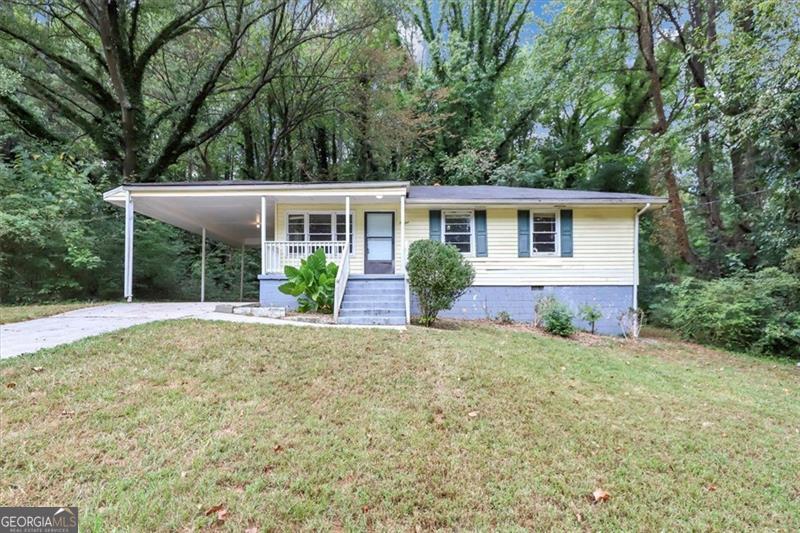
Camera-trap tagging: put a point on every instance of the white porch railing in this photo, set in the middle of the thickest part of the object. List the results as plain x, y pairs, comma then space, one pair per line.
278, 254
341, 281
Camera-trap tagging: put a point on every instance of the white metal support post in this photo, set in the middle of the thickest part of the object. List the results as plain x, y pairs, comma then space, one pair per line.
203, 268
127, 289
347, 221
636, 263
263, 222
403, 233
406, 291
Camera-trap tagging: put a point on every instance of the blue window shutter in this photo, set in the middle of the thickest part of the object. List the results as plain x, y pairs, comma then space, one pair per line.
435, 218
566, 233
481, 244
524, 232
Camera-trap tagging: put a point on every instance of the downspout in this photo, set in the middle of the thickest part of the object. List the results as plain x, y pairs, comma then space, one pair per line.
636, 259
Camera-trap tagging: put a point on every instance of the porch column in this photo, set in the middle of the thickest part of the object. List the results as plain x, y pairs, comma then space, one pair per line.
403, 233
127, 289
203, 268
347, 221
241, 274
263, 222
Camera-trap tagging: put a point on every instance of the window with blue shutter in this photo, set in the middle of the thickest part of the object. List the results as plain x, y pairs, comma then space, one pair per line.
566, 233
435, 225
524, 233
481, 239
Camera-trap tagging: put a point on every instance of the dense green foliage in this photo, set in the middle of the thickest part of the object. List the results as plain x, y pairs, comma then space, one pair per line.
313, 283
60, 241
438, 274
695, 100
751, 311
554, 317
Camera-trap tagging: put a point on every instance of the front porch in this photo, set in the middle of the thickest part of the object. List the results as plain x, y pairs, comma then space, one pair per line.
360, 227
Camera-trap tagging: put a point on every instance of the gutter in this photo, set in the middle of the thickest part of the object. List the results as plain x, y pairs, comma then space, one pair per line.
543, 201
636, 257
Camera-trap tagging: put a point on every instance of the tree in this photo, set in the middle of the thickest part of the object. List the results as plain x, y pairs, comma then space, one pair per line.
108, 69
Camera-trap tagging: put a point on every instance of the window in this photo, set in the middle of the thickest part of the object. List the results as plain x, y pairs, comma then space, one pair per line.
318, 227
296, 228
457, 230
544, 234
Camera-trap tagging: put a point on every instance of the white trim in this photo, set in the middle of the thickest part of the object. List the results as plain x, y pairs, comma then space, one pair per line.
129, 232
557, 214
585, 202
471, 213
333, 225
263, 222
636, 255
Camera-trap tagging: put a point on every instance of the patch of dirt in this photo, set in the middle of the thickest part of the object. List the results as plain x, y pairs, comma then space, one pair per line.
316, 318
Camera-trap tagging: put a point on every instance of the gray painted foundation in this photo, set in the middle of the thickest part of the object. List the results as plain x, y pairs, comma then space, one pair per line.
486, 302
270, 296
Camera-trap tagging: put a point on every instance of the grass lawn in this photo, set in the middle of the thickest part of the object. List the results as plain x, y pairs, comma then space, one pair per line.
18, 313
479, 427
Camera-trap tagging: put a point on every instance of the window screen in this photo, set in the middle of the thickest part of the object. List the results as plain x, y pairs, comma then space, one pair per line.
458, 230
544, 233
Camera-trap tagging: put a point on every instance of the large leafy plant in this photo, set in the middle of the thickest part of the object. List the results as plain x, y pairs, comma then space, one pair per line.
313, 283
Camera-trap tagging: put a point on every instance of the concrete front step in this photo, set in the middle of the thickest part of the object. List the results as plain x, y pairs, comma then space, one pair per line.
373, 320
368, 288
361, 311
374, 300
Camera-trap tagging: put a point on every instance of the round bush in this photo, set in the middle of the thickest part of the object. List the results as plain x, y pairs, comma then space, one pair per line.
555, 317
438, 274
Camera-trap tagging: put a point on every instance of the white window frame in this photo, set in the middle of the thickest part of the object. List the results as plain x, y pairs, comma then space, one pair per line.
557, 214
306, 225
471, 214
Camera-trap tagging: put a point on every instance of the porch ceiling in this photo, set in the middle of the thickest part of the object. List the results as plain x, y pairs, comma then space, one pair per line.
230, 219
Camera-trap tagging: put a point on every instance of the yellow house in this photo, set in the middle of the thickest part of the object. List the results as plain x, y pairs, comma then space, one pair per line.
524, 243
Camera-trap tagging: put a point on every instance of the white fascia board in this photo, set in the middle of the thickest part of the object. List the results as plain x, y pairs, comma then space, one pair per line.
655, 202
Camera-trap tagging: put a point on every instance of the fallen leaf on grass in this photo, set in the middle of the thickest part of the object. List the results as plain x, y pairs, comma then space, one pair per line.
472, 414
215, 509
277, 448
711, 487
599, 495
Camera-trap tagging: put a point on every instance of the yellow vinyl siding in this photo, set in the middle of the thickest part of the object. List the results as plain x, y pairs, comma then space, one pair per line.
602, 244
357, 212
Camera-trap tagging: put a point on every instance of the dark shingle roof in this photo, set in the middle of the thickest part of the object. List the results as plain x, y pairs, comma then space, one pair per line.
478, 193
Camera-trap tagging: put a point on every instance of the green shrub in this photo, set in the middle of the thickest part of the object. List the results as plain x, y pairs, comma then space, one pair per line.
591, 314
503, 317
313, 284
554, 317
750, 311
438, 274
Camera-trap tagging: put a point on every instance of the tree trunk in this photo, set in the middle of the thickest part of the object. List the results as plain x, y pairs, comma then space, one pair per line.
249, 169
644, 33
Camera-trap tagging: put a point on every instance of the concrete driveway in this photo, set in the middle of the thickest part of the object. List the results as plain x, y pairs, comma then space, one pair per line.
33, 335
